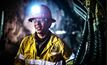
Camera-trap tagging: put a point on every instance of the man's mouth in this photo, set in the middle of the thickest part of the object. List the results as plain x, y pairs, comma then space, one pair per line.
38, 28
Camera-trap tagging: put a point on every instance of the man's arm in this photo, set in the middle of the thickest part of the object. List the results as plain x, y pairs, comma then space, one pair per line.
19, 59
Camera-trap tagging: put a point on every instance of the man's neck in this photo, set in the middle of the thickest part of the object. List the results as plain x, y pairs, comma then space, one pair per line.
42, 35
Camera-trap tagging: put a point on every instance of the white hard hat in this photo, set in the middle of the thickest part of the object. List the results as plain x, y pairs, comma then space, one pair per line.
44, 13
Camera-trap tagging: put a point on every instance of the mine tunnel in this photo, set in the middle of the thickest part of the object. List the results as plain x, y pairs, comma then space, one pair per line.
80, 23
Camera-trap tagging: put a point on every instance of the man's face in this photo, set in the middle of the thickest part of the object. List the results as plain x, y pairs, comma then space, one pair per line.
41, 24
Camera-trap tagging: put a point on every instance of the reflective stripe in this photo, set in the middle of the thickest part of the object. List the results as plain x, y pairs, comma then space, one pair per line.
21, 56
42, 62
39, 62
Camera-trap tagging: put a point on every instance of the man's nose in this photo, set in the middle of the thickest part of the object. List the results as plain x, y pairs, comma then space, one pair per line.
37, 23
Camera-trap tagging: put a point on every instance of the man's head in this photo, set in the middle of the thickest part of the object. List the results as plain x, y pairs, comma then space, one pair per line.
42, 19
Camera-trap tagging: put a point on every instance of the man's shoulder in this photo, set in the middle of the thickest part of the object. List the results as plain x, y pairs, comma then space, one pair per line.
29, 36
55, 38
27, 39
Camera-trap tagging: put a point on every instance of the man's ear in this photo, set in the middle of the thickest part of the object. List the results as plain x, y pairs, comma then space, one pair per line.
50, 23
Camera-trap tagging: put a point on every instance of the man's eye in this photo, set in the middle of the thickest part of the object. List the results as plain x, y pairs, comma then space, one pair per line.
34, 20
45, 19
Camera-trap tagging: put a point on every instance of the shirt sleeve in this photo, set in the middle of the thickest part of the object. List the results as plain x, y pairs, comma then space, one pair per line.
66, 51
19, 59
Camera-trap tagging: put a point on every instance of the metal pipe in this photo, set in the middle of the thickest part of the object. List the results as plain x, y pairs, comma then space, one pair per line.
2, 21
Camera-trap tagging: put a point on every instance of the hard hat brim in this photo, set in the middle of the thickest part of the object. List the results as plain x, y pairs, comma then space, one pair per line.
53, 20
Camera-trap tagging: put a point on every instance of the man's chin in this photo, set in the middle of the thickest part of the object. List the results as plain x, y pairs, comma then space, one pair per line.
39, 32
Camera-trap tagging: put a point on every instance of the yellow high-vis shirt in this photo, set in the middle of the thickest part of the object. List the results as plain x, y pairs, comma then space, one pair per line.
54, 53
